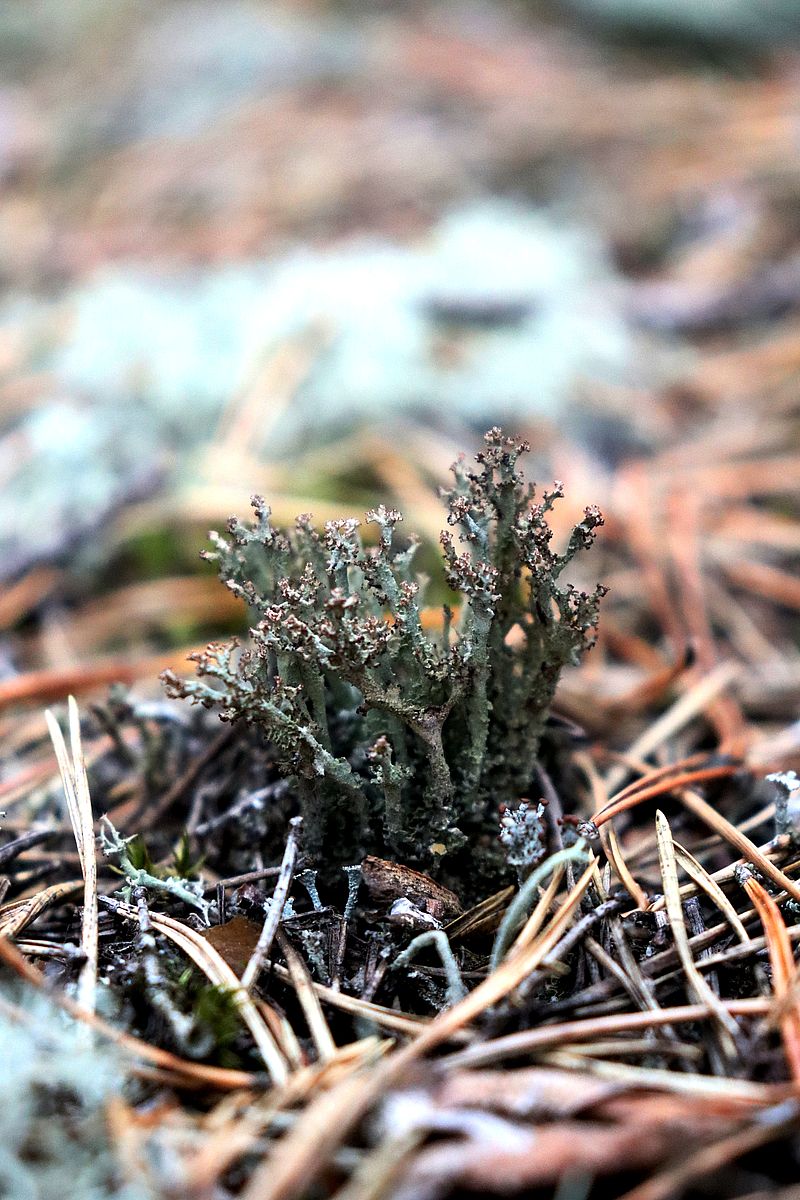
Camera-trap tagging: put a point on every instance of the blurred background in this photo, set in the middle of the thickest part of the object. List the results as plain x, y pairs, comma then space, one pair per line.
313, 250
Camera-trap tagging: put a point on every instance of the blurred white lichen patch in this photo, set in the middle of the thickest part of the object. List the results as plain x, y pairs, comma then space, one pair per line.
499, 313
54, 1087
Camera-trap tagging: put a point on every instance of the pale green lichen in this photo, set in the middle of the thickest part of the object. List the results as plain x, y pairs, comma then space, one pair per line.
400, 738
54, 1088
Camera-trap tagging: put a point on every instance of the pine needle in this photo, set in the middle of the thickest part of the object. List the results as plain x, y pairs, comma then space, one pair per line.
748, 849
309, 1001
701, 877
783, 970
79, 804
726, 1026
613, 852
17, 914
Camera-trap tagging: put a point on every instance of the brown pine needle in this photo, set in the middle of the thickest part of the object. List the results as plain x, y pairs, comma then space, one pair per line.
783, 969
613, 852
679, 1083
17, 914
748, 850
710, 1159
532, 1041
630, 798
537, 918
694, 701
309, 1001
307, 1148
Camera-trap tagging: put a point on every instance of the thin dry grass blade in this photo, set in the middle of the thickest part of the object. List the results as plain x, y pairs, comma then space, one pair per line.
729, 873
309, 1001
610, 965
727, 1028
508, 975
79, 804
640, 989
19, 913
701, 877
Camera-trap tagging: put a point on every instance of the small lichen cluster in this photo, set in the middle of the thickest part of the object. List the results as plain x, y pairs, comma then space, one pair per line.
522, 835
404, 729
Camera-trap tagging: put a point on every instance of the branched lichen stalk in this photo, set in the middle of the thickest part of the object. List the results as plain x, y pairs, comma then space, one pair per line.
402, 737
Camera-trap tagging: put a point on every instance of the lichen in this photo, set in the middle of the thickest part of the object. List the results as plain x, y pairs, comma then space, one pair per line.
403, 734
54, 1089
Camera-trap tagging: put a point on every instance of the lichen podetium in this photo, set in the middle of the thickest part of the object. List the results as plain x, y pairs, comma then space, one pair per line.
399, 739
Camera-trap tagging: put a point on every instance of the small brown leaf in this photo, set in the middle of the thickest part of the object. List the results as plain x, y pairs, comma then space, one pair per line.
234, 941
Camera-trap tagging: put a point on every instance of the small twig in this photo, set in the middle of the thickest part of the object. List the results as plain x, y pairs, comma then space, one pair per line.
247, 877
12, 849
275, 908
